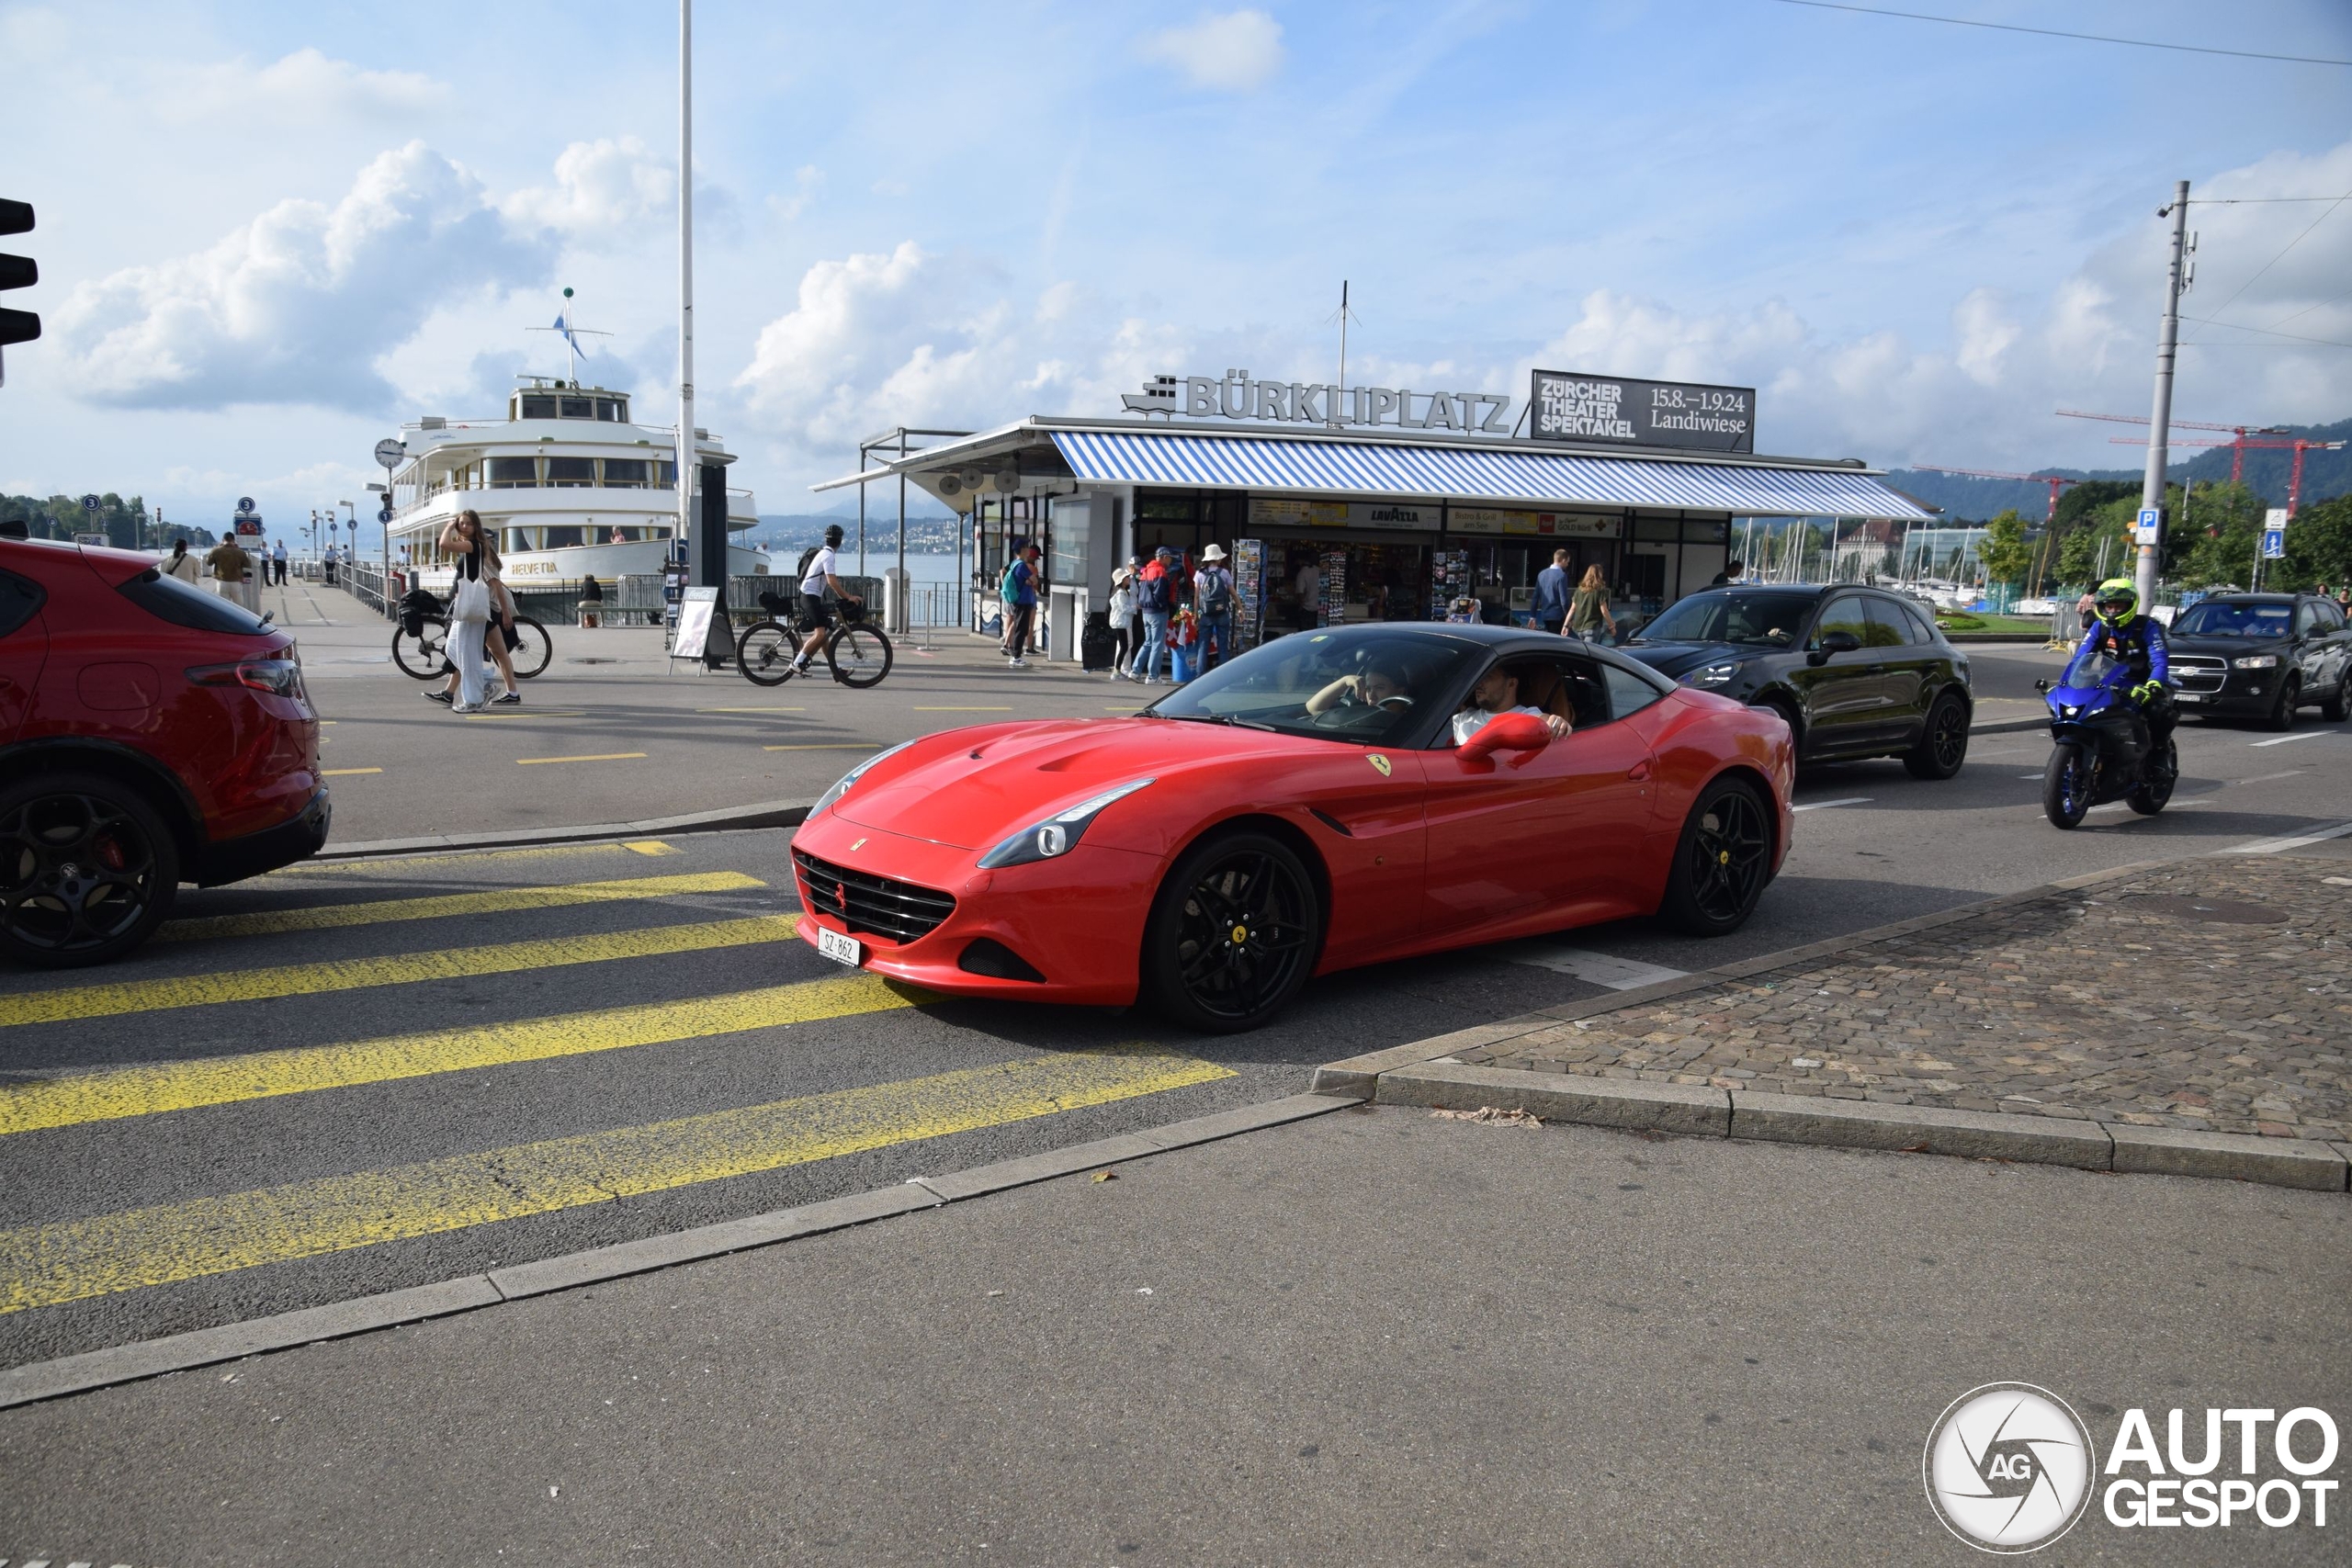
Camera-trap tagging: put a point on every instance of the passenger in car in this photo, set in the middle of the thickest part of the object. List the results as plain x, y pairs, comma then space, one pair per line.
1376, 686
1497, 694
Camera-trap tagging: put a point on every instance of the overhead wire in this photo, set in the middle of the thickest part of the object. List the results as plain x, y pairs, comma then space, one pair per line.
2053, 32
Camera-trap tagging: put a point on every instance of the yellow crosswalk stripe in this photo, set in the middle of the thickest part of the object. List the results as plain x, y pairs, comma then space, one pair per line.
404, 863
650, 847
67, 1004
593, 756
111, 1094
325, 916
74, 1259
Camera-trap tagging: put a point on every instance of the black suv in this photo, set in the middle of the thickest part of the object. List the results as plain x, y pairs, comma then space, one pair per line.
2261, 656
1856, 671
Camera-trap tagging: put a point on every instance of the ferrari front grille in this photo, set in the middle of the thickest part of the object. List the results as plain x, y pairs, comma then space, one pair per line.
880, 906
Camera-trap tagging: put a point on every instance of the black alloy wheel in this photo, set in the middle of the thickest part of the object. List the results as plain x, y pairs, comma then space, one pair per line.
1233, 933
87, 870
2282, 713
1721, 863
2158, 774
2067, 784
420, 655
1943, 744
764, 654
860, 656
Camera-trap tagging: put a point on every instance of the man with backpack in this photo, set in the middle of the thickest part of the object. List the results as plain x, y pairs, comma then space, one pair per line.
1213, 599
1156, 599
1018, 593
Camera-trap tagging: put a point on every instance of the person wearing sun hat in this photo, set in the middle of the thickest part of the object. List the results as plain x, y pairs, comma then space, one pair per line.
1123, 621
1213, 598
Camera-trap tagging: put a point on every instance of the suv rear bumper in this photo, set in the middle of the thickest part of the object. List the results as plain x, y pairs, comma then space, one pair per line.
233, 860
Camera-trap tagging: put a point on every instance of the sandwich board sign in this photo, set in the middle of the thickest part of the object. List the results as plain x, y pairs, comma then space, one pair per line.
694, 612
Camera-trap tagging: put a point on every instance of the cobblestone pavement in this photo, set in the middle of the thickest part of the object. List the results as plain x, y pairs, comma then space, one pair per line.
2209, 994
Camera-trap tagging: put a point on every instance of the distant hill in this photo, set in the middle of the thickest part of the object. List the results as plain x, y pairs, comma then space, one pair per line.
789, 533
2325, 474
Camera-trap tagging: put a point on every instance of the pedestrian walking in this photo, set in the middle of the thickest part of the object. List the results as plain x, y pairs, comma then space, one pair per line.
591, 602
1123, 621
469, 609
2085, 610
1155, 599
277, 561
228, 566
1589, 615
181, 564
1551, 593
1212, 601
1019, 594
500, 641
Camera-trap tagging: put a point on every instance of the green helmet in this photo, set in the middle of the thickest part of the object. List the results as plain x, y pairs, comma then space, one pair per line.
2115, 600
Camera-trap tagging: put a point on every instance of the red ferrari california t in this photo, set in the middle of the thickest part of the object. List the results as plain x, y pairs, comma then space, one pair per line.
1330, 799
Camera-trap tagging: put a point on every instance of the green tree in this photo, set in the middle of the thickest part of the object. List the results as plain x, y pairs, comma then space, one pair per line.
2004, 552
2078, 557
2318, 547
2215, 530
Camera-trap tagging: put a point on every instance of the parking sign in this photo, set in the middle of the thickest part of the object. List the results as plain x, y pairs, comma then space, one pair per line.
2146, 532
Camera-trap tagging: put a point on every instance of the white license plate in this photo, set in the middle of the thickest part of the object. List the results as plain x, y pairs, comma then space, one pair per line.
841, 949
2186, 697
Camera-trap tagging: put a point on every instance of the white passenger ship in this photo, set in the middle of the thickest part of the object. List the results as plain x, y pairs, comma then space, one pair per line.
567, 484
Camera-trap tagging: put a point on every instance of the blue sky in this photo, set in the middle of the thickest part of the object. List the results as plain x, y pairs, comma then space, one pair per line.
269, 233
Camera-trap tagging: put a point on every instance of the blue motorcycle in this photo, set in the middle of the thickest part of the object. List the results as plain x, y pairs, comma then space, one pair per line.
2101, 748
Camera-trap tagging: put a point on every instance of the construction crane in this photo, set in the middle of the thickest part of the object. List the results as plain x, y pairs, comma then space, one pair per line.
2055, 481
2299, 445
2239, 432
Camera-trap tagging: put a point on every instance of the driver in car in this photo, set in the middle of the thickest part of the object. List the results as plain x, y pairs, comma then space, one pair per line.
1497, 694
1375, 686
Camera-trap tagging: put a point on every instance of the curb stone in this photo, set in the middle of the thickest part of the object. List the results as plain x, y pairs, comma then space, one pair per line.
1424, 1073
91, 1370
767, 814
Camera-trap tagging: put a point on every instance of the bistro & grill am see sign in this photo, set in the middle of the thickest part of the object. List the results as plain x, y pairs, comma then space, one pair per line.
1563, 406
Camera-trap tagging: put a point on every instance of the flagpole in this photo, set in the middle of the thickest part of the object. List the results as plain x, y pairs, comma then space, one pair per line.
686, 274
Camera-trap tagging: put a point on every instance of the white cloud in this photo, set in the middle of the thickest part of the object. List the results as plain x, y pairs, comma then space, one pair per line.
602, 187
807, 182
1237, 52
914, 338
305, 85
297, 305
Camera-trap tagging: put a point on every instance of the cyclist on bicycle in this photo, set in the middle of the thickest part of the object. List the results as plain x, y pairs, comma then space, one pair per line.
815, 616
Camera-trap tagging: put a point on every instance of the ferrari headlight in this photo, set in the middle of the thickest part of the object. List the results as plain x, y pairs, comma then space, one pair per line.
2255, 661
1058, 834
1712, 675
840, 787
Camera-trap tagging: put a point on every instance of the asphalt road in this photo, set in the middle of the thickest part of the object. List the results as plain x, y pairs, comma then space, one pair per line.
1373, 1337
613, 732
546, 1046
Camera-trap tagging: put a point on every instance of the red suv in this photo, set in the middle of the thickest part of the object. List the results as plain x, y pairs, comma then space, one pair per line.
151, 733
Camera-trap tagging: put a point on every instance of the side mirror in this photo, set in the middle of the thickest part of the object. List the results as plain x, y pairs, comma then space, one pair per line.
2042, 685
1507, 732
1835, 642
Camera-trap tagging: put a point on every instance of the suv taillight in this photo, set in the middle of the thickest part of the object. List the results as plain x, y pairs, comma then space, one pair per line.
280, 677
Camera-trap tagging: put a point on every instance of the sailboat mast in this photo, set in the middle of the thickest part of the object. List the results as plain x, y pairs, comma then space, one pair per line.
685, 272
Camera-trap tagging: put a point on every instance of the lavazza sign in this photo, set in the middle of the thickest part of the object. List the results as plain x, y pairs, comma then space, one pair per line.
1562, 406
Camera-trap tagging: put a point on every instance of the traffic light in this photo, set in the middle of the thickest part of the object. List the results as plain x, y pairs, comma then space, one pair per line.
17, 272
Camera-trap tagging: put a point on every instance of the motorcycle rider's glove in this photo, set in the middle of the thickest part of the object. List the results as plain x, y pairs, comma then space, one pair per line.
2147, 691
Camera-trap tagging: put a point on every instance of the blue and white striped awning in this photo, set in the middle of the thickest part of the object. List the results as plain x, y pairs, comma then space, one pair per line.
1499, 476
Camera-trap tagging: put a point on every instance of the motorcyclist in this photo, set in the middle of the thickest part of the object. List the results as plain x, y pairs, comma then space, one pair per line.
2119, 632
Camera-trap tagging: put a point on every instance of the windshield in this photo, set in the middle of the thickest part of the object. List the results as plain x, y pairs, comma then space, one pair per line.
1348, 685
1756, 619
2091, 668
2211, 619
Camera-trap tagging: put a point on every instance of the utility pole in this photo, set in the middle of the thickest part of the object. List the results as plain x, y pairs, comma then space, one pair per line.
687, 455
2152, 486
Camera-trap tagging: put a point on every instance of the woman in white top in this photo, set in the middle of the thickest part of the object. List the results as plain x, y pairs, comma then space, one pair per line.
182, 565
1123, 621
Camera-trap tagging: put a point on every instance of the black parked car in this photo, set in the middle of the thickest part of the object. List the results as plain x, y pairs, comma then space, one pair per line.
1855, 671
2261, 656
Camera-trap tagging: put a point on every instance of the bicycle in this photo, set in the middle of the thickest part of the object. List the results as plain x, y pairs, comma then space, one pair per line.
859, 654
421, 641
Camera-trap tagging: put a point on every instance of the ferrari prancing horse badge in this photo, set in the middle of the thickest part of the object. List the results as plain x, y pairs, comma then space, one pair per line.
1377, 760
